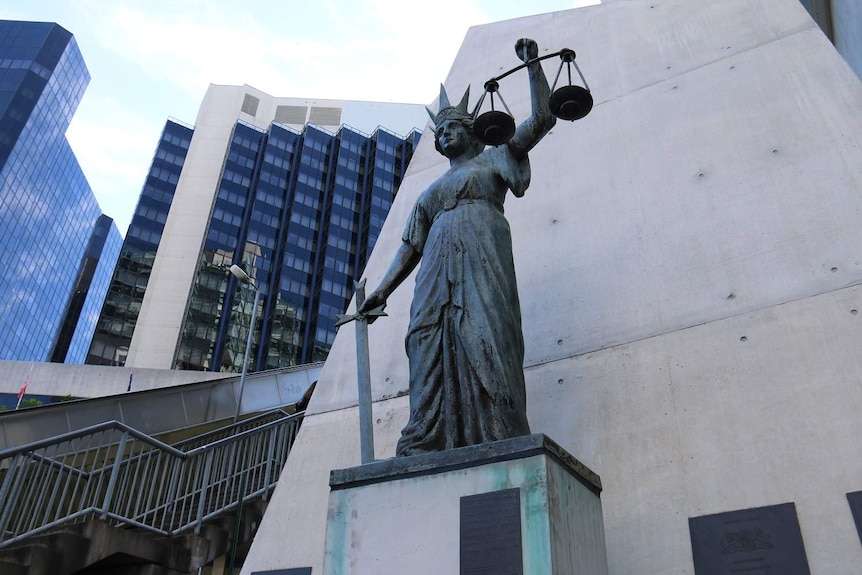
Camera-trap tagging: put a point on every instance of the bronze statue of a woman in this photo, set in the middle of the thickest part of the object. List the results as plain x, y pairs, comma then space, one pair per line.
464, 342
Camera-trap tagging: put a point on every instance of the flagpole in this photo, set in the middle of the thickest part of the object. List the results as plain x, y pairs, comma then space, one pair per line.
23, 389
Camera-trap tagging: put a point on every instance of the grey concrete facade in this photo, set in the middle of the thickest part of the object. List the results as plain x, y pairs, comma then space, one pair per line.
841, 21
690, 279
847, 28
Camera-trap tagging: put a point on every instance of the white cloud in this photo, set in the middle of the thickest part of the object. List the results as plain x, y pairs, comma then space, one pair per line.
378, 49
151, 59
114, 146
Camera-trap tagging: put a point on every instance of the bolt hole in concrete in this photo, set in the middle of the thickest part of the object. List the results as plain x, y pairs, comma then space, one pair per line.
833, 270
559, 342
743, 338
853, 312
731, 296
559, 382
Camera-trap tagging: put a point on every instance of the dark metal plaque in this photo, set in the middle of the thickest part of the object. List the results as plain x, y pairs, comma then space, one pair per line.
855, 500
760, 541
296, 571
491, 533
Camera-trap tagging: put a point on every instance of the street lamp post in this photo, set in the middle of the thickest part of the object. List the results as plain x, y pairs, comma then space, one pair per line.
246, 279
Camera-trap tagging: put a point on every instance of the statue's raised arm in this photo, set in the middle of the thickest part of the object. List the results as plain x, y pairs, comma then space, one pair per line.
540, 122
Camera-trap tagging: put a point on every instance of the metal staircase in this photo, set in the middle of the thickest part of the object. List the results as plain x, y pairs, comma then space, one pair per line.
110, 497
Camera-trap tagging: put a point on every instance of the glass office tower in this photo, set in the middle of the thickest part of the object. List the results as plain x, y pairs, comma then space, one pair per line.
294, 191
116, 323
57, 248
299, 211
297, 205
82, 311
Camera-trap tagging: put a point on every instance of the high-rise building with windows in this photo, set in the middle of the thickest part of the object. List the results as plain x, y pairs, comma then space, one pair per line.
294, 191
116, 323
58, 249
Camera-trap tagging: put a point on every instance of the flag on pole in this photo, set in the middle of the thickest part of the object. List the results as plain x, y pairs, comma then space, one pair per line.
23, 389
129, 388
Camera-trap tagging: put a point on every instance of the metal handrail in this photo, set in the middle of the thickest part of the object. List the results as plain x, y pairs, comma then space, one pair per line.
78, 433
227, 431
120, 475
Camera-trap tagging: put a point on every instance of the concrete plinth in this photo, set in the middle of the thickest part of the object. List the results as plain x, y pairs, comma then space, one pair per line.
422, 514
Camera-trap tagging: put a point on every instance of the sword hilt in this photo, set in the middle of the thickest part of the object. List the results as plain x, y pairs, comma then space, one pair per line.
342, 318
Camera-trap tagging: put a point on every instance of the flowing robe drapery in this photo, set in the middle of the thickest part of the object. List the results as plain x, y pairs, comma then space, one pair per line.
464, 342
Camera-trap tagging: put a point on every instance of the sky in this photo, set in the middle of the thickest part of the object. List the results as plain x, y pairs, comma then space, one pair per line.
150, 60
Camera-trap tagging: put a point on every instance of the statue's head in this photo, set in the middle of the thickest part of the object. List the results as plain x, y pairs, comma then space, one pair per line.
450, 114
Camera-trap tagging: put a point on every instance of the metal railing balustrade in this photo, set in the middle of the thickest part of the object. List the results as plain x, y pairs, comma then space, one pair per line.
115, 473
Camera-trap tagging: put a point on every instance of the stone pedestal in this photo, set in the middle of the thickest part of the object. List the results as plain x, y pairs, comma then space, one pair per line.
521, 506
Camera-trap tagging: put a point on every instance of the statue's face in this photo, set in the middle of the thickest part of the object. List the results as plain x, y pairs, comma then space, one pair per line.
453, 138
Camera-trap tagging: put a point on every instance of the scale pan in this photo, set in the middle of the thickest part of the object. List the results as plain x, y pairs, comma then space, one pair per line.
571, 103
494, 128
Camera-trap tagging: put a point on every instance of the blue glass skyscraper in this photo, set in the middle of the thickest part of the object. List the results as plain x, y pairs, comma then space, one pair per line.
57, 248
284, 187
118, 317
300, 211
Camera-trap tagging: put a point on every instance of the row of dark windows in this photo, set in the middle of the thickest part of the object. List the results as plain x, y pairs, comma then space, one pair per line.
284, 216
119, 314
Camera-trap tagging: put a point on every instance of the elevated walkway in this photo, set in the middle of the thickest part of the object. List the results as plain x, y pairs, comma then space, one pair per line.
170, 413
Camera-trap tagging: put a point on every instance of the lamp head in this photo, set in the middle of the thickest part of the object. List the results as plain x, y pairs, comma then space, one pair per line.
240, 274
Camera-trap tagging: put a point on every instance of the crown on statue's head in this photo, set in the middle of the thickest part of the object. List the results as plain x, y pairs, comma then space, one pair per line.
447, 111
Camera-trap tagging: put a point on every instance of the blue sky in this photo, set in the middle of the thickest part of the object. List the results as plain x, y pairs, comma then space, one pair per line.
153, 59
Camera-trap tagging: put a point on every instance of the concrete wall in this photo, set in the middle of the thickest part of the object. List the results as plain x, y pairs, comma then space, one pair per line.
689, 268
847, 26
